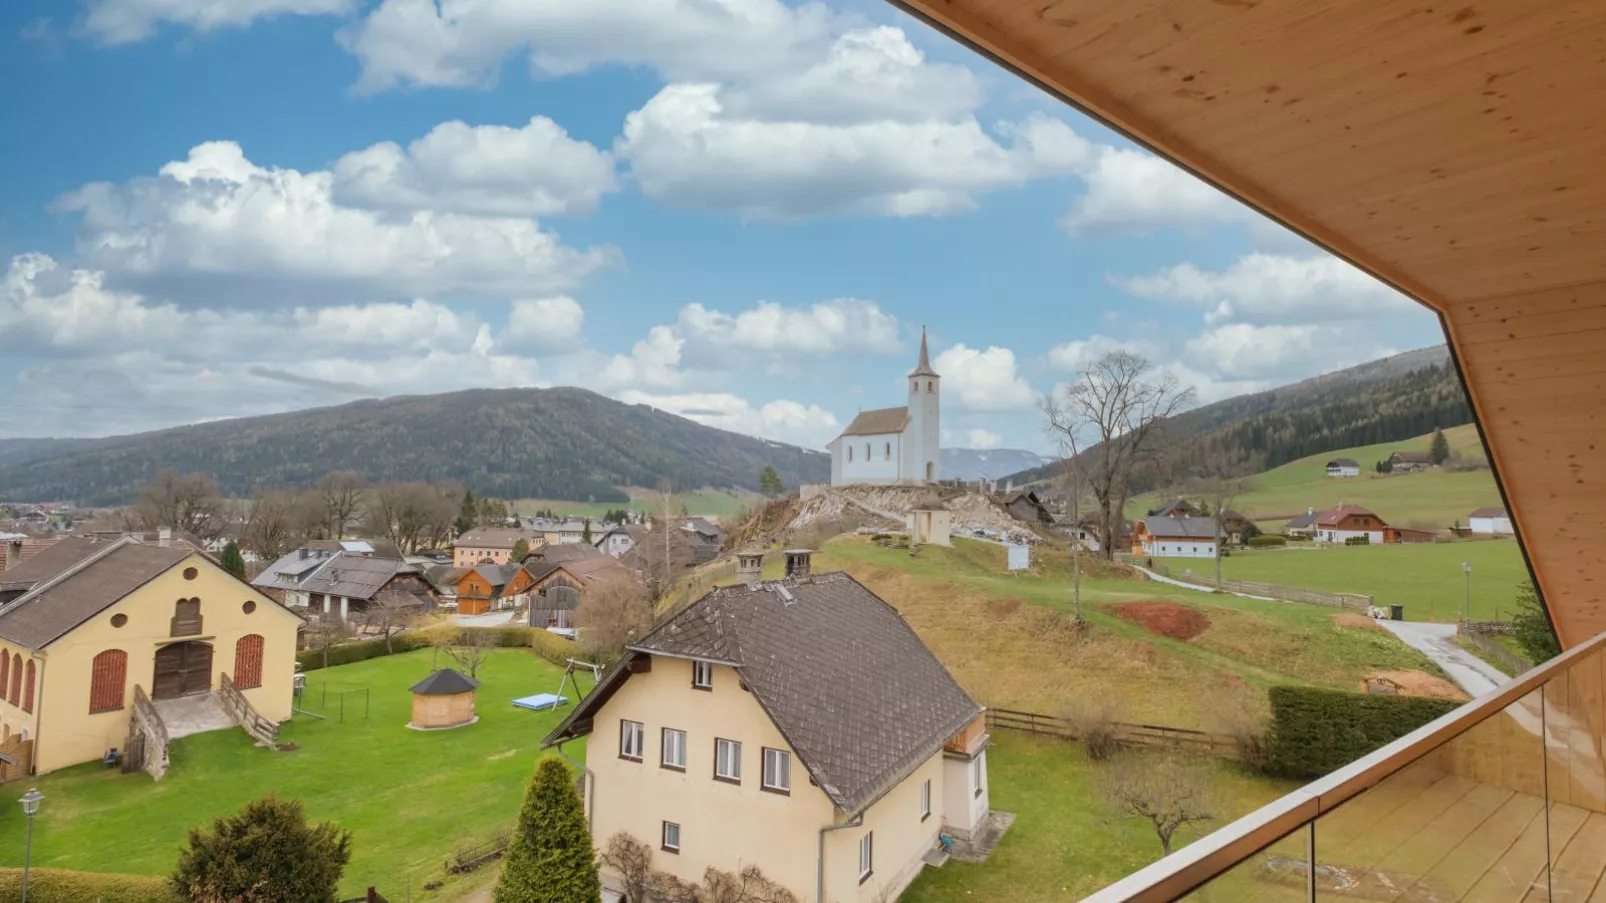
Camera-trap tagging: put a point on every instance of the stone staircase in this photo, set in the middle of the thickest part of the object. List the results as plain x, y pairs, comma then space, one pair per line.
193, 715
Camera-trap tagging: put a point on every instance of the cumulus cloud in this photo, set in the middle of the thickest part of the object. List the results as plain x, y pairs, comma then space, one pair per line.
543, 324
126, 21
1272, 288
1133, 192
1075, 355
462, 43
216, 214
490, 170
782, 421
983, 380
829, 327
980, 438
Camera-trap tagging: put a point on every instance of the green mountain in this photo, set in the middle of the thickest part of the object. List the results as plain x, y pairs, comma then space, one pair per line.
560, 443
1388, 400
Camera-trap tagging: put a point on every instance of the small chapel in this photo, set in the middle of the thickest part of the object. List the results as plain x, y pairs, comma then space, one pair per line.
894, 446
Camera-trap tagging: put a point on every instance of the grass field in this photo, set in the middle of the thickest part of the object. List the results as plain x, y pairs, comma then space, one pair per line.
1435, 498
1007, 637
1066, 842
408, 797
1424, 577
702, 503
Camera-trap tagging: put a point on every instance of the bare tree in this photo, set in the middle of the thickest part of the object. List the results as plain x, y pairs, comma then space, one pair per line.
339, 499
1116, 411
410, 514
1073, 483
612, 614
270, 528
390, 612
1219, 493
1169, 793
324, 632
631, 860
747, 886
466, 648
189, 502
665, 551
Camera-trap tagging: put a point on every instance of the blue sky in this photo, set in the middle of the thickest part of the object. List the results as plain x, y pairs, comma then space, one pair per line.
739, 210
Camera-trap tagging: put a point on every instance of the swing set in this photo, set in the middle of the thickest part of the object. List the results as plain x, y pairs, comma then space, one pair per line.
541, 702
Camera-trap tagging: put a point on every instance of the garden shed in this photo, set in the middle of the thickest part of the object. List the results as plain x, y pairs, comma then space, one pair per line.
445, 699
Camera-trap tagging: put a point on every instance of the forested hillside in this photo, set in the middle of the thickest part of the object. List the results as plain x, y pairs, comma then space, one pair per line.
1388, 400
560, 443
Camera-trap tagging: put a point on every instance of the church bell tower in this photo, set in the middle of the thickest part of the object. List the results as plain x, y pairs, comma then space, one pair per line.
922, 444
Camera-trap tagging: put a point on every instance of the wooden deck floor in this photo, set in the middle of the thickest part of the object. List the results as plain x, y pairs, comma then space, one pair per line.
1424, 836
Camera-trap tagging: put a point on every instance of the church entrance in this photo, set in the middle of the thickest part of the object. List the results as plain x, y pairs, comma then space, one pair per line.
182, 669
931, 471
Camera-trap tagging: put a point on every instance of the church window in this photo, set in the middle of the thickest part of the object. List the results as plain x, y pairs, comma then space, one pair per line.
889, 451
931, 386
866, 451
850, 453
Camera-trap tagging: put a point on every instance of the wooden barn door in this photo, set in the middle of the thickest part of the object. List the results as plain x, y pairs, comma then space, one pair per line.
182, 669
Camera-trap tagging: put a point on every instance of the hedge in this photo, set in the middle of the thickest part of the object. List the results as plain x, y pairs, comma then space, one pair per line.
63, 886
554, 649
1267, 539
1314, 732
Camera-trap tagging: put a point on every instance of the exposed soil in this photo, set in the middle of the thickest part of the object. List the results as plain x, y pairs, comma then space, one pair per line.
1167, 619
1418, 683
1359, 622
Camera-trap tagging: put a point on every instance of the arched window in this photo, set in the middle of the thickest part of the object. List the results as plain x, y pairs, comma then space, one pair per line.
248, 662
5, 671
889, 451
866, 451
850, 453
107, 676
16, 679
27, 692
931, 385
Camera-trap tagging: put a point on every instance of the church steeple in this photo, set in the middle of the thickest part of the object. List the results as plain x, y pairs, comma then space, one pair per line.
924, 368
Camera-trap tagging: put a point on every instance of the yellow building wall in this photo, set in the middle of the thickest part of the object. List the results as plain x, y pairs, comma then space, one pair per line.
71, 735
13, 720
728, 826
468, 556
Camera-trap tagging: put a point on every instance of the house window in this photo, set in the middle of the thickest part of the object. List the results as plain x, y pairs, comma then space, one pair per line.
674, 749
107, 674
630, 740
702, 676
248, 662
727, 761
925, 800
978, 771
777, 777
866, 856
671, 837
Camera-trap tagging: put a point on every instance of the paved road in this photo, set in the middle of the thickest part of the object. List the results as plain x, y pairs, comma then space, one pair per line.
1437, 641
494, 619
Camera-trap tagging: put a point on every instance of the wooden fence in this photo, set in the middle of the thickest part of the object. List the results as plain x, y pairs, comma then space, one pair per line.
1505, 659
1350, 601
245, 715
146, 746
16, 758
1149, 736
467, 859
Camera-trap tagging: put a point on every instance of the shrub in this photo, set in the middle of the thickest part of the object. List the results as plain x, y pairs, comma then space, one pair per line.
63, 886
1093, 720
549, 858
265, 854
1531, 627
1236, 717
552, 648
1316, 731
1267, 540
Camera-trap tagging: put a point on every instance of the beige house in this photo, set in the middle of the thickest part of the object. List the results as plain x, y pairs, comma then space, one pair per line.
96, 620
798, 725
493, 544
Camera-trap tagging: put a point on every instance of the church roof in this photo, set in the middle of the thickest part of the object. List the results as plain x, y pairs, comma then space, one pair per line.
924, 368
878, 422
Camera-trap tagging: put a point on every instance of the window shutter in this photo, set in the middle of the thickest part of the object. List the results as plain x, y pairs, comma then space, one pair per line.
186, 617
108, 673
248, 662
27, 693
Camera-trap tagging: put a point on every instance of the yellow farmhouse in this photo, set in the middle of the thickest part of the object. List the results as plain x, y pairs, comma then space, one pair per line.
84, 623
797, 725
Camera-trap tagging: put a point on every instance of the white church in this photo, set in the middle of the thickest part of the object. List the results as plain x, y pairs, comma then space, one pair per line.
893, 445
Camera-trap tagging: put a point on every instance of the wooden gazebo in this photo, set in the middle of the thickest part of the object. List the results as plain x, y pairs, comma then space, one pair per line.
445, 699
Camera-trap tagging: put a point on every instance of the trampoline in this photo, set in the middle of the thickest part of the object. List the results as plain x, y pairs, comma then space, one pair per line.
540, 702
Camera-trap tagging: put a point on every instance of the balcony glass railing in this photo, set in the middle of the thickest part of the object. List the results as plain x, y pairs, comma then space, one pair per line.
1500, 801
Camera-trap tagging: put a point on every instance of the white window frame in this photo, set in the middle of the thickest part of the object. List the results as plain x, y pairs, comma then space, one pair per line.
632, 737
866, 856
663, 838
783, 770
664, 749
721, 745
702, 675
925, 800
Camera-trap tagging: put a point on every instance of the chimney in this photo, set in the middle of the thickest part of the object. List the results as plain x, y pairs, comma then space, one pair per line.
797, 562
13, 554
301, 554
750, 566
1310, 510
164, 536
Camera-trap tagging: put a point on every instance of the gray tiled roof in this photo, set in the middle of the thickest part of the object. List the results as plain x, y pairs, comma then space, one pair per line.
354, 576
858, 696
445, 682
1187, 527
878, 422
66, 600
48, 563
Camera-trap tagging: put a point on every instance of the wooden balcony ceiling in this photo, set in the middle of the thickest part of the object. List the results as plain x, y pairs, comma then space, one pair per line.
1455, 149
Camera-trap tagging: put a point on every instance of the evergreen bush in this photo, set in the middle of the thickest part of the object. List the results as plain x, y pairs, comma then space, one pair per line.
267, 853
1267, 540
1315, 731
549, 857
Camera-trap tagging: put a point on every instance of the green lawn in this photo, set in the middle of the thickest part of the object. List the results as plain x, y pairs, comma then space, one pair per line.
1435, 498
1424, 577
1066, 842
702, 503
408, 797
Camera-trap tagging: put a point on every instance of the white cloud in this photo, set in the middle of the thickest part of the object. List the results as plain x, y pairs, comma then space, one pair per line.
983, 380
1133, 192
783, 421
1074, 356
126, 21
684, 148
829, 327
653, 362
492, 170
461, 43
980, 438
217, 214
1271, 288
543, 324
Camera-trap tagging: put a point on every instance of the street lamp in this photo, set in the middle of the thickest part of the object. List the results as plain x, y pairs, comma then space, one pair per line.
30, 807
1466, 609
